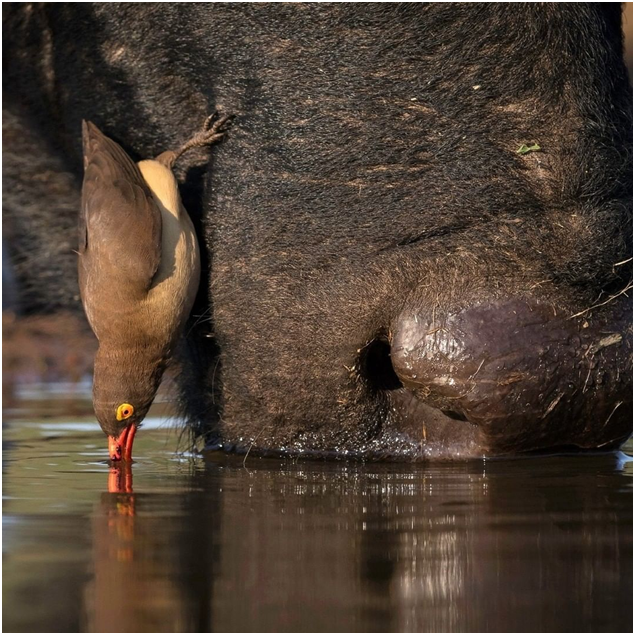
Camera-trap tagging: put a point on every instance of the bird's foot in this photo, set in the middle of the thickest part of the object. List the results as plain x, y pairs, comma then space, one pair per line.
214, 129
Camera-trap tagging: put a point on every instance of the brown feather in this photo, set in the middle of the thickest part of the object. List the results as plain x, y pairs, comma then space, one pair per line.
120, 224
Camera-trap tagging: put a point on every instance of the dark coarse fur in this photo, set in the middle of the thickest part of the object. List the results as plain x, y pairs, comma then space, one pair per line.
372, 169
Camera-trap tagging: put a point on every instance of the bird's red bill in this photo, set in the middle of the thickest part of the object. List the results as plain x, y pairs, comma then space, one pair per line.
121, 448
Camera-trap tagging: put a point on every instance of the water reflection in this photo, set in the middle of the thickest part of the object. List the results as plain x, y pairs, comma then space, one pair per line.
150, 566
120, 479
540, 544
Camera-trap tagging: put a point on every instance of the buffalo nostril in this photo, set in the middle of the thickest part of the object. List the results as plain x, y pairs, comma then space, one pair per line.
376, 366
453, 414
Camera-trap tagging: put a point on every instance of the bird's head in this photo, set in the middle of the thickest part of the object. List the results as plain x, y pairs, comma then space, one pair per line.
124, 386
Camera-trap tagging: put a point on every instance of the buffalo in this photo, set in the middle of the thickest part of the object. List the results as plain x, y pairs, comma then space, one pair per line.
416, 238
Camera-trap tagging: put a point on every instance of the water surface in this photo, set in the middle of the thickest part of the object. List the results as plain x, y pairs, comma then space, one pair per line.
193, 543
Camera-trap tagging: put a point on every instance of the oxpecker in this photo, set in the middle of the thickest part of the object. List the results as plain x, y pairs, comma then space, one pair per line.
139, 270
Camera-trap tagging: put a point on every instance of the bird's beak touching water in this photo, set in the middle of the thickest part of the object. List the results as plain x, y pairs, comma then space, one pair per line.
121, 447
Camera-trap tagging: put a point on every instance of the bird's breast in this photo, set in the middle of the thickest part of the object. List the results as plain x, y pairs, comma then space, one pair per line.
175, 284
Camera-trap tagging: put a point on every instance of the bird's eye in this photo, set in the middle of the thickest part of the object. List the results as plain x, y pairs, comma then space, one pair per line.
124, 411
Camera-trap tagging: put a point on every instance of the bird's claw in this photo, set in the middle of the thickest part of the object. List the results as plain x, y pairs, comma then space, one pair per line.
214, 128
216, 125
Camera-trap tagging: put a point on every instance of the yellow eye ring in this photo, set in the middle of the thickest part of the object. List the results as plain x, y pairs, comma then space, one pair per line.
124, 411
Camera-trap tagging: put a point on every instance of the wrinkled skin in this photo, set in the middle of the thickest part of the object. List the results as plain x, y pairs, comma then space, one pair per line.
385, 274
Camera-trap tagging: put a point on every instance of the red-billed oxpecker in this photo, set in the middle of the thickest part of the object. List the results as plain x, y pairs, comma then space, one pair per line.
139, 271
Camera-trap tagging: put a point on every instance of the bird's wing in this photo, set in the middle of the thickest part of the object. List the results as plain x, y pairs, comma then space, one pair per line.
120, 224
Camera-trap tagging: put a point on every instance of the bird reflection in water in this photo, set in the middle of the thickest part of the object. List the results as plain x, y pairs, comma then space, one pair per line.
121, 520
120, 480
115, 552
150, 570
